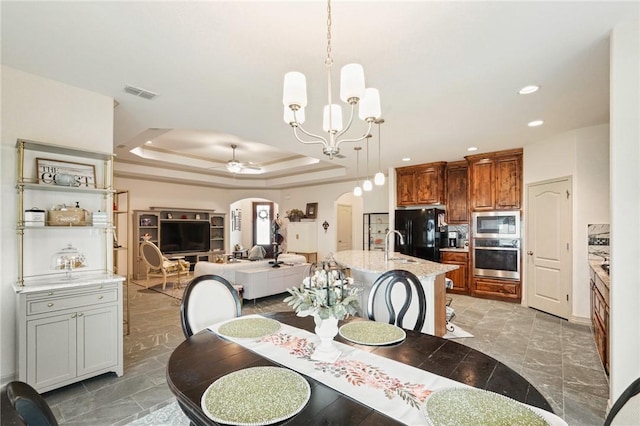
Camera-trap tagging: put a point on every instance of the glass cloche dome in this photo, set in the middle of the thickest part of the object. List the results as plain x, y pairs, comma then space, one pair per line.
68, 259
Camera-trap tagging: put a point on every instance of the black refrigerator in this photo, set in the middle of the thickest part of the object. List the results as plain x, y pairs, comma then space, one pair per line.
422, 234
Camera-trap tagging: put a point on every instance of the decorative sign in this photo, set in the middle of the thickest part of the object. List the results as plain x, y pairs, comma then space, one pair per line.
64, 173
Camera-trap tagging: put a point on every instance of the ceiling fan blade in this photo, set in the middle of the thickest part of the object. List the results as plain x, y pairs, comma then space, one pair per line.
251, 167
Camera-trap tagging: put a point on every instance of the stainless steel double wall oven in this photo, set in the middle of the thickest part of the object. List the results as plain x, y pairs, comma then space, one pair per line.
496, 244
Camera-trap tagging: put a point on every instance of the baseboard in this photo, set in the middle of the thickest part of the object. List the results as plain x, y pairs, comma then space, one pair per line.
6, 379
580, 320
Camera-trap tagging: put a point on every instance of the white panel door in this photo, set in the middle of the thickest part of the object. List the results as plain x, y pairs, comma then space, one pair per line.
344, 227
549, 251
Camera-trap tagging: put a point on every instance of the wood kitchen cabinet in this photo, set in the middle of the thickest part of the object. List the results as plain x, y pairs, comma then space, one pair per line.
496, 289
456, 198
460, 276
600, 315
405, 187
495, 180
421, 185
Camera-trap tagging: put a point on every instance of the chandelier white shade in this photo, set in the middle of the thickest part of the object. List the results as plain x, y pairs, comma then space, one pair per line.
352, 91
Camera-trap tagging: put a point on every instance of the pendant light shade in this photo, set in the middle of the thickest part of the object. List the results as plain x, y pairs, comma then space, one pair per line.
352, 82
379, 177
370, 105
332, 120
295, 89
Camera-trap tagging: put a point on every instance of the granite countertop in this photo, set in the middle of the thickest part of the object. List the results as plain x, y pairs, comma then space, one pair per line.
58, 282
373, 261
595, 266
456, 249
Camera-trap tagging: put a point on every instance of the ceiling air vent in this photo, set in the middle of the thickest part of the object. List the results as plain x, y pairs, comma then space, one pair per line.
139, 92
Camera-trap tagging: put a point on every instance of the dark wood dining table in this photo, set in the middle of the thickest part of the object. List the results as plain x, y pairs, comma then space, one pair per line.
204, 357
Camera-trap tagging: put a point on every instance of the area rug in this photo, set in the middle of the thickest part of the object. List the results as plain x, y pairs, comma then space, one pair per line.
456, 333
169, 415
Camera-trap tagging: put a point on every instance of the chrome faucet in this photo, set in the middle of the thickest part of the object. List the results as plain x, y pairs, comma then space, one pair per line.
386, 242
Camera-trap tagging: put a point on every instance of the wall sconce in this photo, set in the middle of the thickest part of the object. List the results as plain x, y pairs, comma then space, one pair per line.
325, 225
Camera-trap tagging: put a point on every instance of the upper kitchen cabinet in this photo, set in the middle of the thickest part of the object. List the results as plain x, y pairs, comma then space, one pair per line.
457, 192
405, 188
495, 180
421, 185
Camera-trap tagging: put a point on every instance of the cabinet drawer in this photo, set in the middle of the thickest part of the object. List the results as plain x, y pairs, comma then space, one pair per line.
63, 292
502, 289
452, 256
53, 304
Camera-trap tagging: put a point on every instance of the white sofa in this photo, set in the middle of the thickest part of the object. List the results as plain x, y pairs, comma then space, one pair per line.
251, 289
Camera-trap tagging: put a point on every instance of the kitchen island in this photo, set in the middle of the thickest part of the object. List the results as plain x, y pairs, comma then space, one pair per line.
366, 266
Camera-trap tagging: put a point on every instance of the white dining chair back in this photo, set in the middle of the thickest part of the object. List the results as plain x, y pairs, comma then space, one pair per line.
397, 297
208, 299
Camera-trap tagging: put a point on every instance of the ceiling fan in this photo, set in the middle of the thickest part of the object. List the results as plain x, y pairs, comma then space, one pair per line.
235, 166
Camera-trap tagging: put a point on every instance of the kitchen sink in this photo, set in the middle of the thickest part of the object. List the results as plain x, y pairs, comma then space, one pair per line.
402, 260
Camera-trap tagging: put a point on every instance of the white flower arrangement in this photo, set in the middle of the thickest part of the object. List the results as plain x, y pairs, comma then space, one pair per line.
325, 293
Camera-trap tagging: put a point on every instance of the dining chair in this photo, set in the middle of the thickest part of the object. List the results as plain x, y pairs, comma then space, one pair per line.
397, 287
208, 299
158, 265
30, 406
631, 411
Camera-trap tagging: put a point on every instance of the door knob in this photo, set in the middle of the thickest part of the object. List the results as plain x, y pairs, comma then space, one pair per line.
530, 253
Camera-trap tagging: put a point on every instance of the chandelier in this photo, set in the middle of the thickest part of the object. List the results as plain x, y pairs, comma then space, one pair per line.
352, 91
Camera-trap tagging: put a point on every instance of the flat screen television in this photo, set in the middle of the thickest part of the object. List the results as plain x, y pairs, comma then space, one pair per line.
184, 236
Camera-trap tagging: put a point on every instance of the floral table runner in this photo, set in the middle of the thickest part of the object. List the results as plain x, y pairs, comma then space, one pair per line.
390, 387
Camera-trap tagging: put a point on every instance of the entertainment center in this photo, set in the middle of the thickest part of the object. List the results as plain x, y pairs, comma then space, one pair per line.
190, 233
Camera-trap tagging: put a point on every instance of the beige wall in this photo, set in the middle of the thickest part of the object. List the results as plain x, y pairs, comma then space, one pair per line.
625, 208
43, 110
584, 155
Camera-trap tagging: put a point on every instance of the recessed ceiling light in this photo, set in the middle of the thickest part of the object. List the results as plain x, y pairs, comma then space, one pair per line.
472, 148
535, 123
526, 90
406, 159
148, 142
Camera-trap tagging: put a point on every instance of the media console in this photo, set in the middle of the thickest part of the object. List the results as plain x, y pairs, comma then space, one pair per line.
196, 234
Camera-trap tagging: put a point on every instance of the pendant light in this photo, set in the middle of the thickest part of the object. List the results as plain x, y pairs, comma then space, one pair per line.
379, 177
367, 185
357, 191
352, 91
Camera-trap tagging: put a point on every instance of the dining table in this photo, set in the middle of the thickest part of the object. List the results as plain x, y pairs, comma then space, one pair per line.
206, 357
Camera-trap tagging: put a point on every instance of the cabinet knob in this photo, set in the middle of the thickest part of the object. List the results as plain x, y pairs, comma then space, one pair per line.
100, 297
74, 315
49, 304
50, 293
530, 253
80, 314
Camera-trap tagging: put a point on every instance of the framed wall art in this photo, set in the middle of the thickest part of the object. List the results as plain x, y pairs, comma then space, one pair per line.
312, 210
65, 173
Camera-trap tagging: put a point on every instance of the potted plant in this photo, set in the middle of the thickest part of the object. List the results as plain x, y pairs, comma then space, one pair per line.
329, 296
294, 215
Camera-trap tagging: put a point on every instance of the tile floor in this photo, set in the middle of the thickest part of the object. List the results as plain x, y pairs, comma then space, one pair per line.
559, 358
